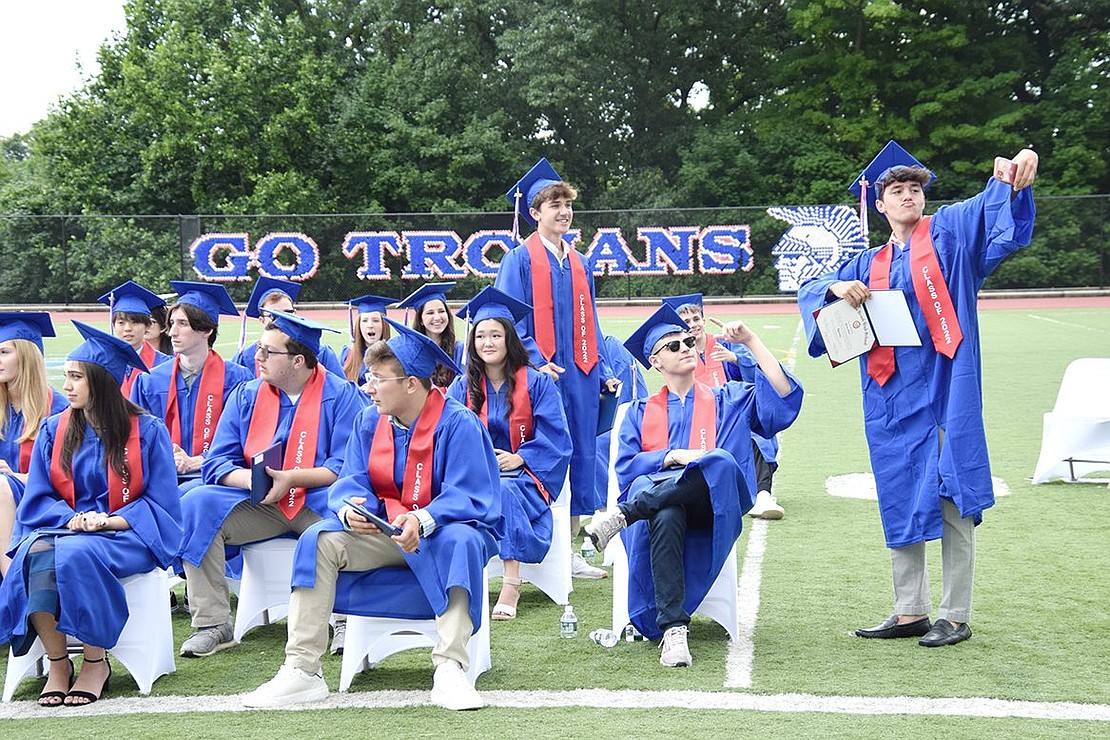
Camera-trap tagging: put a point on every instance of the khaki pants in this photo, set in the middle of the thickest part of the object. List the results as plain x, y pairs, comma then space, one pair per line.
207, 587
911, 577
309, 607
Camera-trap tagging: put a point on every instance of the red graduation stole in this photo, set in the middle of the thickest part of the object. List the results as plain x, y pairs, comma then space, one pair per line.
932, 293
300, 448
710, 371
703, 431
147, 355
585, 332
211, 396
520, 421
418, 466
120, 490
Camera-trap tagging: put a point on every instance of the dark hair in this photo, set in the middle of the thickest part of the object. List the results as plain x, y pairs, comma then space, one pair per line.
553, 191
296, 348
380, 352
160, 315
134, 318
352, 366
198, 320
112, 414
442, 376
913, 173
515, 358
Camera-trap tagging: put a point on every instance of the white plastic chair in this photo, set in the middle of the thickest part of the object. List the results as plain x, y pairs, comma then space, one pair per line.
720, 603
1076, 437
370, 640
145, 647
265, 587
552, 574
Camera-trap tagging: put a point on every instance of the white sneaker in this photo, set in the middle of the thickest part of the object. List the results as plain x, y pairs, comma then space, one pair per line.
766, 507
675, 648
290, 686
451, 689
579, 568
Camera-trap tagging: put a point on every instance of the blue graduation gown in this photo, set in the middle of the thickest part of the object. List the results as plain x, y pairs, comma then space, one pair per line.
326, 357
159, 359
929, 392
626, 369
465, 505
744, 369
580, 391
89, 566
728, 470
527, 515
9, 443
205, 507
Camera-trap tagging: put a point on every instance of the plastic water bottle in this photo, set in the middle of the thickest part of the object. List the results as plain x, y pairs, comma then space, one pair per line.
605, 638
568, 625
631, 633
588, 549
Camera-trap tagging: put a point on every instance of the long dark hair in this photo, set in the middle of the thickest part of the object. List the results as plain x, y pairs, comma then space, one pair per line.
442, 376
516, 357
112, 413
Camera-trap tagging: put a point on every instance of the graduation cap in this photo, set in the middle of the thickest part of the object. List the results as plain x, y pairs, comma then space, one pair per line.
212, 298
300, 329
372, 303
265, 287
423, 294
492, 303
111, 353
417, 354
526, 189
679, 302
892, 157
29, 325
130, 298
661, 323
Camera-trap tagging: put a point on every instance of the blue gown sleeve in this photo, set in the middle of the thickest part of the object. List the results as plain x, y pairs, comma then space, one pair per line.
989, 226
155, 516
466, 466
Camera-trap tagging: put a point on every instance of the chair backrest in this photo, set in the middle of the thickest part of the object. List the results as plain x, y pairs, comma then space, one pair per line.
1085, 389
614, 443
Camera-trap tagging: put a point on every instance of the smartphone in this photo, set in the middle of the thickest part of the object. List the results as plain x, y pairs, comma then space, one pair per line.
373, 518
1004, 170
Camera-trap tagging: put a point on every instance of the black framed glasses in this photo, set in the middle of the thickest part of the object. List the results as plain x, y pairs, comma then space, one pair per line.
676, 344
263, 353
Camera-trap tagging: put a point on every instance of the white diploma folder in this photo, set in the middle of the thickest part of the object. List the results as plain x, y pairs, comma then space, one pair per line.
882, 320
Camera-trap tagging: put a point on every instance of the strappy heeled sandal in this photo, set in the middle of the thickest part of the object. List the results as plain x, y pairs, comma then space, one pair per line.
59, 695
504, 612
87, 696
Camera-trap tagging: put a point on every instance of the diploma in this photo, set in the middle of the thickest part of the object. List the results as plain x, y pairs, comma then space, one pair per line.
261, 482
882, 320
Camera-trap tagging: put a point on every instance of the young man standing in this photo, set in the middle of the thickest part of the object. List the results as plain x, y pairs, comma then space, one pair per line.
426, 464
684, 466
562, 333
130, 305
922, 405
294, 402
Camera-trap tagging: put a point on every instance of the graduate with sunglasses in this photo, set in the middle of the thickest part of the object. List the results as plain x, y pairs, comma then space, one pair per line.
684, 466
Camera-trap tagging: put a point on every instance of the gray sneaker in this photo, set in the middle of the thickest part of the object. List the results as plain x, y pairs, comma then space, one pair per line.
603, 529
339, 636
208, 640
675, 648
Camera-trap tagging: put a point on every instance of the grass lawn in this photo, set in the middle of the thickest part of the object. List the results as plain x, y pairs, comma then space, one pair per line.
1041, 624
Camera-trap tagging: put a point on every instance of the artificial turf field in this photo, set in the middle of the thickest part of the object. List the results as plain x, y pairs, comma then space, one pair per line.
1041, 624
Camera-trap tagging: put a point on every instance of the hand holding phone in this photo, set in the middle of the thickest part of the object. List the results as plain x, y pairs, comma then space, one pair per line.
373, 518
1004, 170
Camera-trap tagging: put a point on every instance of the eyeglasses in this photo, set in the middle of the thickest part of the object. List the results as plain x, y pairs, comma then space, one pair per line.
676, 344
263, 353
377, 379
267, 316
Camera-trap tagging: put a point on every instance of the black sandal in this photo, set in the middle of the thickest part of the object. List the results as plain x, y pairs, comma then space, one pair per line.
88, 697
59, 695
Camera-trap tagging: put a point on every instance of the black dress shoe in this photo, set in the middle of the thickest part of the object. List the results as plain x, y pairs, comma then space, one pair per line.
945, 633
891, 629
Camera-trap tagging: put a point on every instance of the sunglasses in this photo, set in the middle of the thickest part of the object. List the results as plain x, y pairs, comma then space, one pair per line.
676, 344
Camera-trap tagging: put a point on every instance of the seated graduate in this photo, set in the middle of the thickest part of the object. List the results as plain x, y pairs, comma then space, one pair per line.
101, 467
268, 295
369, 328
189, 393
26, 398
433, 319
632, 386
426, 464
157, 334
295, 403
720, 361
523, 412
684, 465
130, 305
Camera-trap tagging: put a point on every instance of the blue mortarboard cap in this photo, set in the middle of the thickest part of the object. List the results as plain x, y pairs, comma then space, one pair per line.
372, 303
661, 323
305, 331
264, 287
130, 298
29, 325
212, 298
539, 177
111, 353
891, 157
417, 354
677, 302
492, 303
423, 294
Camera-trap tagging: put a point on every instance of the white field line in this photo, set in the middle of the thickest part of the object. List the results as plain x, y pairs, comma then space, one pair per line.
740, 659
1068, 323
603, 699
